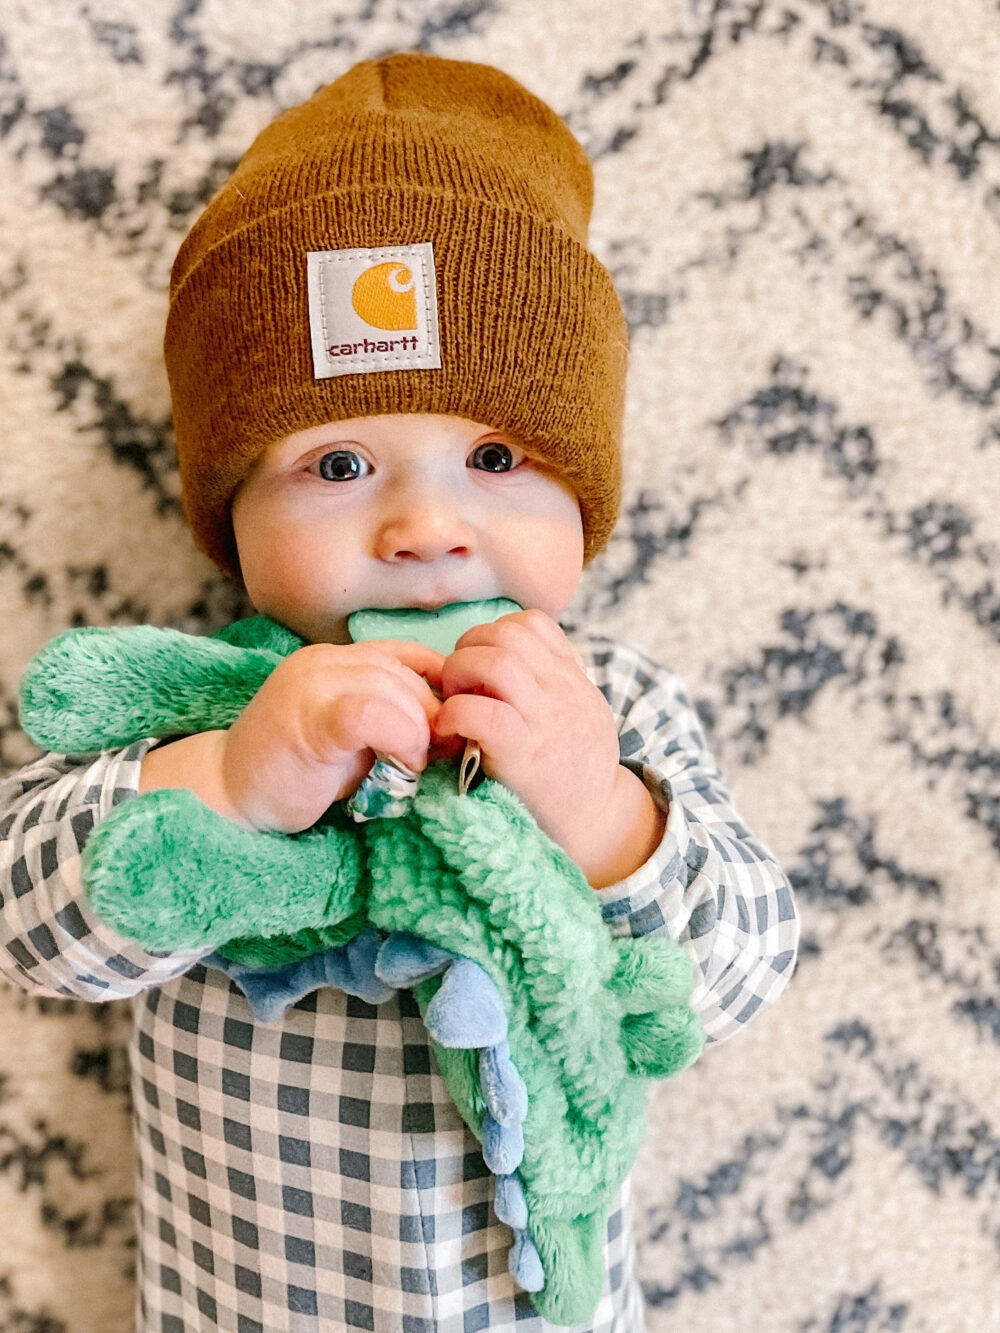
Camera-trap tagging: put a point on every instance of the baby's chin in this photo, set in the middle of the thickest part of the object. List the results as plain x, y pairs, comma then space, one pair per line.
319, 629
333, 631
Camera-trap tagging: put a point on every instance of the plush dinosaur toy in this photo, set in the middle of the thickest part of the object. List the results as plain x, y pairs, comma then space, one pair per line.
545, 1028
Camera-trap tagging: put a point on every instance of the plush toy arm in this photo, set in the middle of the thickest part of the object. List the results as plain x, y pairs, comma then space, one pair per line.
167, 871
99, 689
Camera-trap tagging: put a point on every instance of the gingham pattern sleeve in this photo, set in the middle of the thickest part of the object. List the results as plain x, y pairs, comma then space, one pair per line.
710, 884
51, 942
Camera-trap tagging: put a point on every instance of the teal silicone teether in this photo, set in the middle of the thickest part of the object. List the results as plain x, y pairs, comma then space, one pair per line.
440, 629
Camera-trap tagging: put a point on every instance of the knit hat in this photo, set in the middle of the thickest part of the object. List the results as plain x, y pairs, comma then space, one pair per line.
410, 239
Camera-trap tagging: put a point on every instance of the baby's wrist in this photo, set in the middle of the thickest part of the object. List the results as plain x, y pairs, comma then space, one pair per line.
630, 831
194, 763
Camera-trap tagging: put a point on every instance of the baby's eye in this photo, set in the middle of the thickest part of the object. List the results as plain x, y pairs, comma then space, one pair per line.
342, 465
495, 457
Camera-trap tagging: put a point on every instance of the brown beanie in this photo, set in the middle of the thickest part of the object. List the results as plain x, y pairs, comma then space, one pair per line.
411, 239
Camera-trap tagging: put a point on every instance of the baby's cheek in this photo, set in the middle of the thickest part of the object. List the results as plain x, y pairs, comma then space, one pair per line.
298, 567
554, 570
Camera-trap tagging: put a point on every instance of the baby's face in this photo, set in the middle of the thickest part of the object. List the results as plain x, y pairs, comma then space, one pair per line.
410, 509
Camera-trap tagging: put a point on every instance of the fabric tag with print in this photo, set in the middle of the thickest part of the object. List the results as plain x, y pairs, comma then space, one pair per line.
373, 309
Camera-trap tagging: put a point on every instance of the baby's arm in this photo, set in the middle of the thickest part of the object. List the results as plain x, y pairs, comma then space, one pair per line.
306, 738
711, 884
574, 739
51, 942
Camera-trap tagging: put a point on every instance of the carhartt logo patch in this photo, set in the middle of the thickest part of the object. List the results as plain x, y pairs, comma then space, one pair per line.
373, 310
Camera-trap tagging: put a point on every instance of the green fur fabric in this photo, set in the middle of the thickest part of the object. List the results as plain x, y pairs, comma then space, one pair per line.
590, 1018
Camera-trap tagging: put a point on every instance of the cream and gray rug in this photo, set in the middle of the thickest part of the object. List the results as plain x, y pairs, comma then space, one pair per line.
800, 202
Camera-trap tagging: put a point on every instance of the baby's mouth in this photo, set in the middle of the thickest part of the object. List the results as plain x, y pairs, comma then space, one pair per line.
435, 603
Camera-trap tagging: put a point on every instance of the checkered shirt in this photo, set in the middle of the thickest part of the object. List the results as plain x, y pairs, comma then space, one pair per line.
313, 1172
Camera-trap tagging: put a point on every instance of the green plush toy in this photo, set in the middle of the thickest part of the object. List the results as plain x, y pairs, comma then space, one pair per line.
545, 1028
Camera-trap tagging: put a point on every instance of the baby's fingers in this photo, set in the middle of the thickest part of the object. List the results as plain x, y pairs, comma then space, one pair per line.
360, 723
426, 662
532, 634
490, 671
501, 731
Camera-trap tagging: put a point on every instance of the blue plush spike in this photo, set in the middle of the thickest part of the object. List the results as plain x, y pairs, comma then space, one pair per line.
272, 991
503, 1146
361, 979
509, 1203
467, 1011
405, 959
525, 1264
503, 1087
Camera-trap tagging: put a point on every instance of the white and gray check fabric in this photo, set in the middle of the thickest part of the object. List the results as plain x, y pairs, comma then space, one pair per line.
314, 1172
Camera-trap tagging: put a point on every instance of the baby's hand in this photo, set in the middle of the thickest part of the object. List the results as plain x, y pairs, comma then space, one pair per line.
308, 736
518, 688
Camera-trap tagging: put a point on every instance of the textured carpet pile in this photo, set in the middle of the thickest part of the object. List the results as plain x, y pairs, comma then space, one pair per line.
800, 203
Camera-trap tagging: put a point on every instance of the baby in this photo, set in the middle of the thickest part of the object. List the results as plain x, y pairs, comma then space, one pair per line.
397, 376
417, 510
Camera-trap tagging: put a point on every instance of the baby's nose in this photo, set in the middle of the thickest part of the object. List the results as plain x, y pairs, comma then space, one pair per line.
425, 532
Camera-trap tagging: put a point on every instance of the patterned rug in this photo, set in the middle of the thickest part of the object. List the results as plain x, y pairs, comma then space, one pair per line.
800, 203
